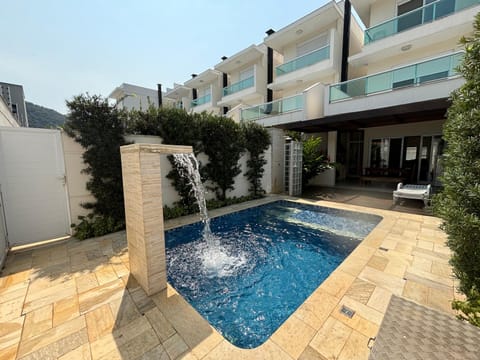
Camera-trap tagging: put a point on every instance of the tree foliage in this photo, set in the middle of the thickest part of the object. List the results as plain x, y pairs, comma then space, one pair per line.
97, 126
459, 202
257, 141
222, 140
314, 160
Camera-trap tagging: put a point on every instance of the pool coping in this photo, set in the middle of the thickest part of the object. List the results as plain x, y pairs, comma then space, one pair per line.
318, 325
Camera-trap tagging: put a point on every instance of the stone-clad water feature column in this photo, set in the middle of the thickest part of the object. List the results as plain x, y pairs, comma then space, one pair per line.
142, 189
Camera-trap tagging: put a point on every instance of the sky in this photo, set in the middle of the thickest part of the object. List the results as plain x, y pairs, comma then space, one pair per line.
58, 49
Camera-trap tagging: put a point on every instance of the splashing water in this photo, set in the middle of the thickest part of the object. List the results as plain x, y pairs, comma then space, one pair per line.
217, 260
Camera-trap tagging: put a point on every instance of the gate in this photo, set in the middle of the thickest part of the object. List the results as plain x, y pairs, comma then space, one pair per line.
32, 183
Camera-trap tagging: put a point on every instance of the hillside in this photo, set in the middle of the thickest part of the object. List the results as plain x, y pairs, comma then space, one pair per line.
42, 117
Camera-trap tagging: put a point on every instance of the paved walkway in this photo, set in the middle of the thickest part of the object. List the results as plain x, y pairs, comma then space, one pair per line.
76, 300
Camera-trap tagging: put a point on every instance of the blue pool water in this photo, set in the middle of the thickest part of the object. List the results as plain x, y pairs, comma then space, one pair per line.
266, 262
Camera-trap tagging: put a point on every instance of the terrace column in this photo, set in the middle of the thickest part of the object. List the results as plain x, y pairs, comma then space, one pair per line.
142, 189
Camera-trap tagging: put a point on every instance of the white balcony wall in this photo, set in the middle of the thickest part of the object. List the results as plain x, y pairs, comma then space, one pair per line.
381, 11
313, 101
408, 95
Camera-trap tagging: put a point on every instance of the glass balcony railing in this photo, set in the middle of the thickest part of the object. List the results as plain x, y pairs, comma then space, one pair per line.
201, 100
420, 16
277, 107
435, 69
304, 61
238, 86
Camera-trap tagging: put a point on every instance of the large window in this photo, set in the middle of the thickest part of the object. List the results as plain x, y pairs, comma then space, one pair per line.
386, 153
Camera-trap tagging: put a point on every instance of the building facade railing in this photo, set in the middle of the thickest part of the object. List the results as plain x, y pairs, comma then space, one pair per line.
439, 68
423, 15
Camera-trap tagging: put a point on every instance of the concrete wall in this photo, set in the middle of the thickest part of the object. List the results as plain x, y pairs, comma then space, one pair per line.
272, 180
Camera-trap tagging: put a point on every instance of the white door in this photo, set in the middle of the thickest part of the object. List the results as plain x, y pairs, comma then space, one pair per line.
32, 176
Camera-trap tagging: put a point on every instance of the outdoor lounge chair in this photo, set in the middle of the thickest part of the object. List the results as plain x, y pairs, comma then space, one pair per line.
418, 192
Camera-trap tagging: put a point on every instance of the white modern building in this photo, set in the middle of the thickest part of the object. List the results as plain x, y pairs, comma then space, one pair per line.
375, 86
14, 97
128, 97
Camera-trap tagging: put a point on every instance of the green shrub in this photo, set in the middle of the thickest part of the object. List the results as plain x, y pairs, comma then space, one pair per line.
458, 204
98, 127
222, 140
257, 141
314, 161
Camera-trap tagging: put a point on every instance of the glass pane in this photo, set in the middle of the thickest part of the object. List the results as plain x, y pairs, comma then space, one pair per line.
433, 69
425, 159
379, 153
379, 82
404, 76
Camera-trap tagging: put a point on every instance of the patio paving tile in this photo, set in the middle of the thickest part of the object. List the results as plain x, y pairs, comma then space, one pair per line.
99, 322
160, 324
317, 308
118, 337
10, 333
310, 354
364, 311
157, 353
360, 290
65, 309
337, 283
331, 338
38, 321
378, 262
100, 295
379, 278
80, 353
79, 301
416, 292
175, 346
379, 299
70, 332
86, 282
355, 347
293, 336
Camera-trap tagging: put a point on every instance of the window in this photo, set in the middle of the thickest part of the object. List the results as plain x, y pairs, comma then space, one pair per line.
245, 74
386, 153
312, 44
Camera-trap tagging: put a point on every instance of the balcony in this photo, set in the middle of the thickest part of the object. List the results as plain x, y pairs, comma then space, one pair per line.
239, 86
439, 68
426, 14
304, 61
273, 108
201, 100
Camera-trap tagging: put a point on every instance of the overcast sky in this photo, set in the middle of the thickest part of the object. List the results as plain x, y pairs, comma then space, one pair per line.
60, 48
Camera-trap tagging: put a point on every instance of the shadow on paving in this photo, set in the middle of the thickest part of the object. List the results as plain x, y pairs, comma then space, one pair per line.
78, 297
373, 199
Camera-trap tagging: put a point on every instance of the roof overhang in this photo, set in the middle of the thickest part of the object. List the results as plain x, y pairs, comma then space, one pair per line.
305, 26
207, 77
400, 114
178, 92
362, 7
246, 56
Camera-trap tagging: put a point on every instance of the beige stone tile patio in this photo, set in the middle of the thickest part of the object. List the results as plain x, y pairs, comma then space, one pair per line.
76, 300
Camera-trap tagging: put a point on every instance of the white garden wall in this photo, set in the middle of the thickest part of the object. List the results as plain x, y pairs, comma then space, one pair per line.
76, 181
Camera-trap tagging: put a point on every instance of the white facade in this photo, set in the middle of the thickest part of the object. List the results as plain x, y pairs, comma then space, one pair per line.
6, 117
129, 97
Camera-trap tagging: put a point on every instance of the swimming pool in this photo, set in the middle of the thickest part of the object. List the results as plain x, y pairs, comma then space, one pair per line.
266, 261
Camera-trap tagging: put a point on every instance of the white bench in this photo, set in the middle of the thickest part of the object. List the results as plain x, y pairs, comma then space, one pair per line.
417, 192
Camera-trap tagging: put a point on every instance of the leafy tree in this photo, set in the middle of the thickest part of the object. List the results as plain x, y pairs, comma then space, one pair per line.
257, 141
314, 161
459, 202
175, 127
223, 143
97, 126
